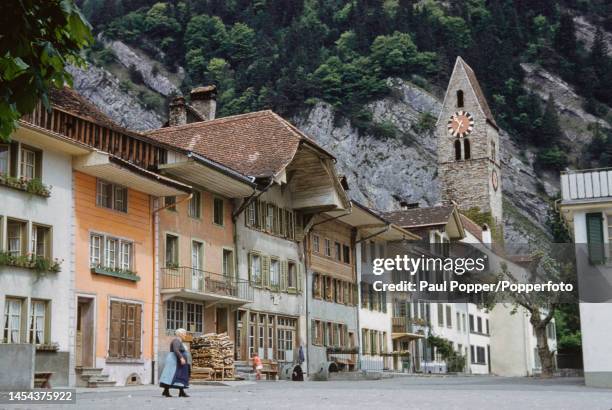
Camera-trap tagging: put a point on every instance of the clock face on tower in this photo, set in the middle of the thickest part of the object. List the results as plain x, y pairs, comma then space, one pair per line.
460, 124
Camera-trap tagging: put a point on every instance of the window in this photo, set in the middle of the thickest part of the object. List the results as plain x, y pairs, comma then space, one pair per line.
449, 317
463, 320
41, 241
218, 204
4, 159
472, 354
471, 323
440, 314
111, 196
346, 254
197, 255
228, 262
291, 275
194, 208
480, 355
493, 153
172, 260
252, 214
28, 164
126, 255
38, 321
459, 99
274, 273
487, 325
15, 233
194, 317
458, 320
316, 285
315, 331
174, 315
286, 328
95, 249
327, 244
270, 210
12, 321
290, 224
170, 203
457, 150
125, 330
466, 149
111, 246
255, 269
338, 251
479, 324
315, 243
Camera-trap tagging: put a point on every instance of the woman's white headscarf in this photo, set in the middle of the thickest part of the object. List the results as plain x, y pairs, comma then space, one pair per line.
180, 331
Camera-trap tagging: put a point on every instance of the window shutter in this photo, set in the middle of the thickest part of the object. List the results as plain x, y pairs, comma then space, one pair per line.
300, 277
265, 261
283, 278
250, 267
115, 330
14, 154
299, 228
261, 214
130, 330
137, 331
594, 222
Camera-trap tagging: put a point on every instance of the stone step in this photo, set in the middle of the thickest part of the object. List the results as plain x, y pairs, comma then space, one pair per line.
89, 371
107, 383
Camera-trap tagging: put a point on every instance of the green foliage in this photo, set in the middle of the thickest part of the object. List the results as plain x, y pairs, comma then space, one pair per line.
36, 263
567, 323
425, 124
599, 151
482, 218
38, 38
32, 186
285, 55
455, 362
554, 221
552, 158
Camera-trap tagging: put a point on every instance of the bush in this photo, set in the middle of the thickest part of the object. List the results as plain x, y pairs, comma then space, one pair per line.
552, 158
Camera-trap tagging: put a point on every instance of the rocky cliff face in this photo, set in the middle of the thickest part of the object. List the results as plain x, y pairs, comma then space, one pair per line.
381, 173
102, 88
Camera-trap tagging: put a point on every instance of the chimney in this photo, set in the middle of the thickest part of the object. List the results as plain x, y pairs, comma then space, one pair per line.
408, 205
486, 235
204, 101
177, 114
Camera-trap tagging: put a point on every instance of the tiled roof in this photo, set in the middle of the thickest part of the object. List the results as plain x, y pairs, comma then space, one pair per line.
479, 94
69, 100
412, 218
258, 144
472, 227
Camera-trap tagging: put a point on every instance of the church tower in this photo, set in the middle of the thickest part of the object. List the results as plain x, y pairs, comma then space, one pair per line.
469, 165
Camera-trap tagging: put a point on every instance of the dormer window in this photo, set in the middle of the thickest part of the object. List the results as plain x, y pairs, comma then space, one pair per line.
466, 149
457, 150
459, 99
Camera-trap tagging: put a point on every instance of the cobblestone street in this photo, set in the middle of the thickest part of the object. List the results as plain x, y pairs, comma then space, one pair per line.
396, 393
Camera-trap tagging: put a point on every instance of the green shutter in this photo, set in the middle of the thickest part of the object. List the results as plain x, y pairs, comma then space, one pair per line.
283, 276
594, 222
300, 277
265, 260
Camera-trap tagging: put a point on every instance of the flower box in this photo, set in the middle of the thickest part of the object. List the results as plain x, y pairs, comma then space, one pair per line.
116, 273
32, 186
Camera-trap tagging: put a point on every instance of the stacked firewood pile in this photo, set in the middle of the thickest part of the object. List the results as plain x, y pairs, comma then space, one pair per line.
212, 357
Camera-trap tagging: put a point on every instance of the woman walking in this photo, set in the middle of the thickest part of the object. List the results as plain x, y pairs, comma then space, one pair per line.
176, 368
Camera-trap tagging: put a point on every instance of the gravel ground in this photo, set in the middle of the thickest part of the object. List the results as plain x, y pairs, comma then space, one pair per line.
396, 393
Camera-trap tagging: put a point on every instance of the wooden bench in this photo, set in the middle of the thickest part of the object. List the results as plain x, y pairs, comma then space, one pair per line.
41, 380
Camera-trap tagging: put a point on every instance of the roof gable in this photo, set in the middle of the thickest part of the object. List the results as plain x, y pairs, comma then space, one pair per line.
471, 76
258, 144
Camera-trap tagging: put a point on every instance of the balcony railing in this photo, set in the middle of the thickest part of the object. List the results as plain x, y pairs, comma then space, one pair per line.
408, 325
586, 184
211, 284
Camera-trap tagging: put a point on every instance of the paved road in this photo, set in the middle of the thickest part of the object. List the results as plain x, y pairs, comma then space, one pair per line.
396, 393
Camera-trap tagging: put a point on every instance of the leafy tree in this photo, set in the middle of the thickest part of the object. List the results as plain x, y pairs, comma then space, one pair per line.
241, 43
38, 39
550, 130
557, 266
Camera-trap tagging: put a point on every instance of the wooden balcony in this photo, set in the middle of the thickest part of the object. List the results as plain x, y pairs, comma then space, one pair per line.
586, 185
191, 283
407, 328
